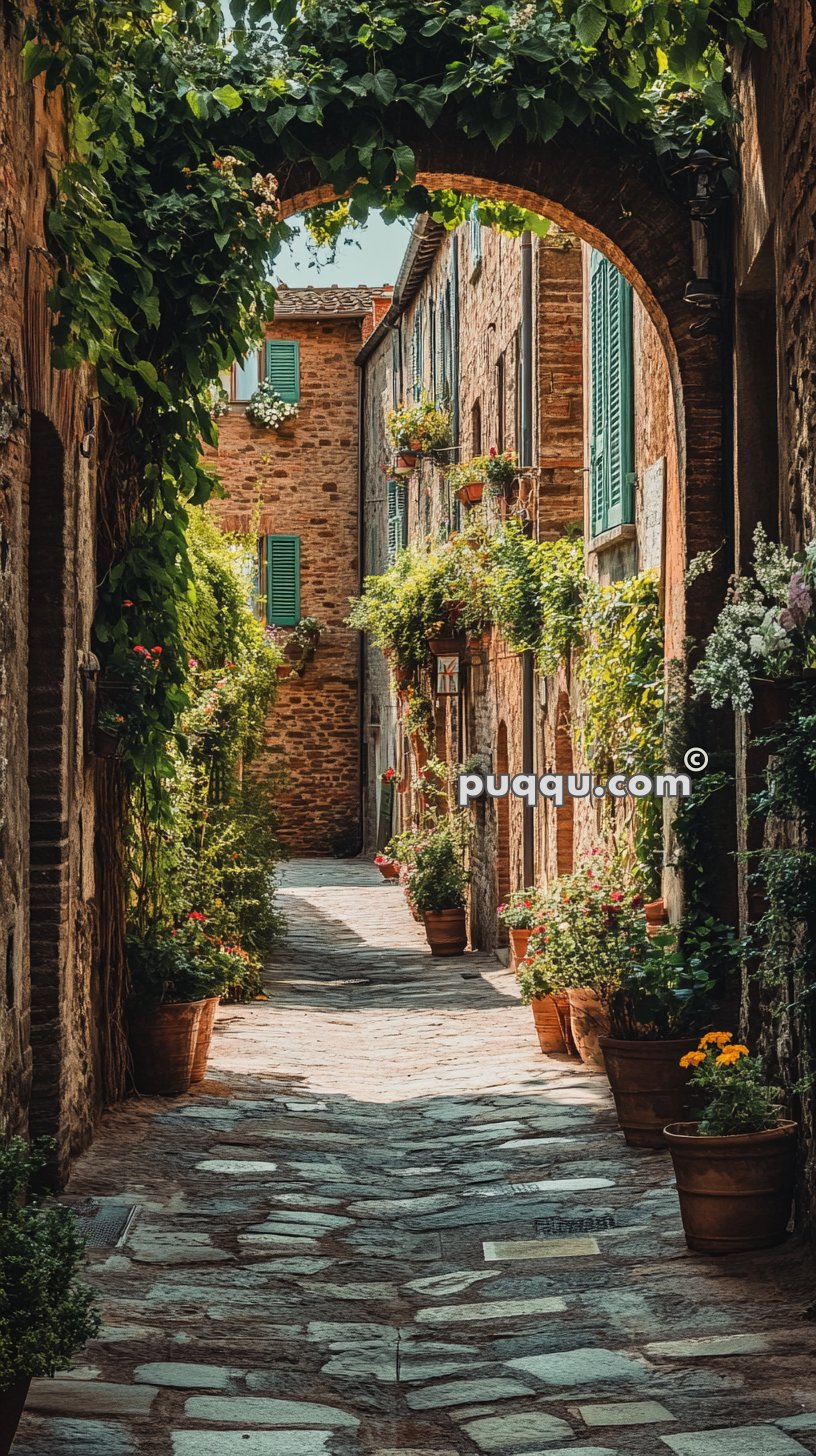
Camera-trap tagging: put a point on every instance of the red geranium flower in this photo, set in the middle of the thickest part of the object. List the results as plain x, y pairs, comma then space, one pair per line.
197, 915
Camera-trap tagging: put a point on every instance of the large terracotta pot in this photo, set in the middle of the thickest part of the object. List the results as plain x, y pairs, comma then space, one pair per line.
519, 940
162, 1045
390, 870
11, 1408
446, 931
649, 1086
656, 916
735, 1192
471, 493
548, 1024
205, 1032
562, 1008
589, 1020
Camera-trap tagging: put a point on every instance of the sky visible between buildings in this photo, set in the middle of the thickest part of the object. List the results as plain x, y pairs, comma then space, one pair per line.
370, 254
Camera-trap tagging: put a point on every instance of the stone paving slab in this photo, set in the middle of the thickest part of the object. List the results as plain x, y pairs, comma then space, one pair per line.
386, 1225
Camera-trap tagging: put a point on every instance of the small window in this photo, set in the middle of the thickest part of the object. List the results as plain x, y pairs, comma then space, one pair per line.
476, 429
475, 240
500, 403
283, 368
246, 378
281, 572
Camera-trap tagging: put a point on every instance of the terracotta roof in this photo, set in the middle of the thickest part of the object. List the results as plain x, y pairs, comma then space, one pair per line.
325, 302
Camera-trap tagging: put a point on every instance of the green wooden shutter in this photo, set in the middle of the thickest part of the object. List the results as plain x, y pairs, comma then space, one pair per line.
402, 518
283, 581
393, 488
475, 238
612, 408
621, 382
283, 368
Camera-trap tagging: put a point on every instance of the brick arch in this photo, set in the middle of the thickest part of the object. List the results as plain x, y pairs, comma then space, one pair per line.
616, 199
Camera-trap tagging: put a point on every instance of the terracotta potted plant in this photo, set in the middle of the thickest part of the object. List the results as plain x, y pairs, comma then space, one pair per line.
520, 913
656, 1014
550, 1007
388, 868
168, 989
501, 469
438, 889
46, 1316
735, 1166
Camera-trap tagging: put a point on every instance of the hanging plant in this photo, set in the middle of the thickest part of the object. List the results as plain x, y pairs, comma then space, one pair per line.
266, 408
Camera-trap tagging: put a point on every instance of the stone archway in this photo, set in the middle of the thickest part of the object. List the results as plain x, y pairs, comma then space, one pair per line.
616, 199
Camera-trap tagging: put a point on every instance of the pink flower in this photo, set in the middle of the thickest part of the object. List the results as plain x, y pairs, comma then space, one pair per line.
800, 603
127, 603
192, 663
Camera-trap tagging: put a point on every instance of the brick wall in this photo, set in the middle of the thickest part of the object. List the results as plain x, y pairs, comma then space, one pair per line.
303, 480
47, 578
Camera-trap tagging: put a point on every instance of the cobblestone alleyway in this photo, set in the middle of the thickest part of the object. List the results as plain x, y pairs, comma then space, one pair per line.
387, 1224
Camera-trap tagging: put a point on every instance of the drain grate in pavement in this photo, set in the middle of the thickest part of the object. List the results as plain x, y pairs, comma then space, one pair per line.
592, 1224
101, 1223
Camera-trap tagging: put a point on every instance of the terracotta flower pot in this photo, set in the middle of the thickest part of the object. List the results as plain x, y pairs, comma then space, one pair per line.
107, 742
162, 1046
446, 646
406, 462
656, 916
735, 1192
446, 931
518, 943
204, 1037
589, 1020
548, 1024
471, 493
389, 870
562, 1008
649, 1086
11, 1408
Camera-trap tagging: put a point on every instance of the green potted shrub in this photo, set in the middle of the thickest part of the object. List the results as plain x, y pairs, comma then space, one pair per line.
46, 1315
735, 1166
438, 888
546, 997
521, 913
169, 985
661, 1005
417, 429
501, 469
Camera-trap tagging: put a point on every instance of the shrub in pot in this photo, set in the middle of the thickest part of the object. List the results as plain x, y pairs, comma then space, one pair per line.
169, 985
438, 889
593, 930
735, 1166
548, 1001
521, 913
46, 1315
656, 1014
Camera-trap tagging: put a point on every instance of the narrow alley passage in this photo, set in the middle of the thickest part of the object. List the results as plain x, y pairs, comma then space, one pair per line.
386, 1225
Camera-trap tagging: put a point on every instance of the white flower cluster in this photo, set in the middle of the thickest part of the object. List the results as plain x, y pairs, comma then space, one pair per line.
763, 629
268, 409
266, 187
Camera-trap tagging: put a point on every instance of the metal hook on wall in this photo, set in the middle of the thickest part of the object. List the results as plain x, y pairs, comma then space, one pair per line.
89, 433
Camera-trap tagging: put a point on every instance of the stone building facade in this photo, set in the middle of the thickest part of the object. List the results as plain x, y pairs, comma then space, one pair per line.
500, 328
48, 989
296, 491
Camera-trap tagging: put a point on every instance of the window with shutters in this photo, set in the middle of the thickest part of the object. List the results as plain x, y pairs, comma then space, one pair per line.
612, 396
397, 520
417, 355
283, 368
246, 378
475, 240
281, 571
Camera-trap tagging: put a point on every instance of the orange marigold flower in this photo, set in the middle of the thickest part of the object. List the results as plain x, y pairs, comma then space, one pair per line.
731, 1054
715, 1038
692, 1059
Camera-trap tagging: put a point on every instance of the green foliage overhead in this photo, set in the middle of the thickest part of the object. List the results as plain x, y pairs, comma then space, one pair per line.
535, 590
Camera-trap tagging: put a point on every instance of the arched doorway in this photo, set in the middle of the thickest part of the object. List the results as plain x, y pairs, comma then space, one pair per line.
49, 590
614, 198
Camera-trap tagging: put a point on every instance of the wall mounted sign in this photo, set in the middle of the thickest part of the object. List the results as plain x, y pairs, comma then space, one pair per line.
447, 674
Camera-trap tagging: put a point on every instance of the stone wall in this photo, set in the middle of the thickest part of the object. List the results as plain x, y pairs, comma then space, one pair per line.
303, 480
47, 583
